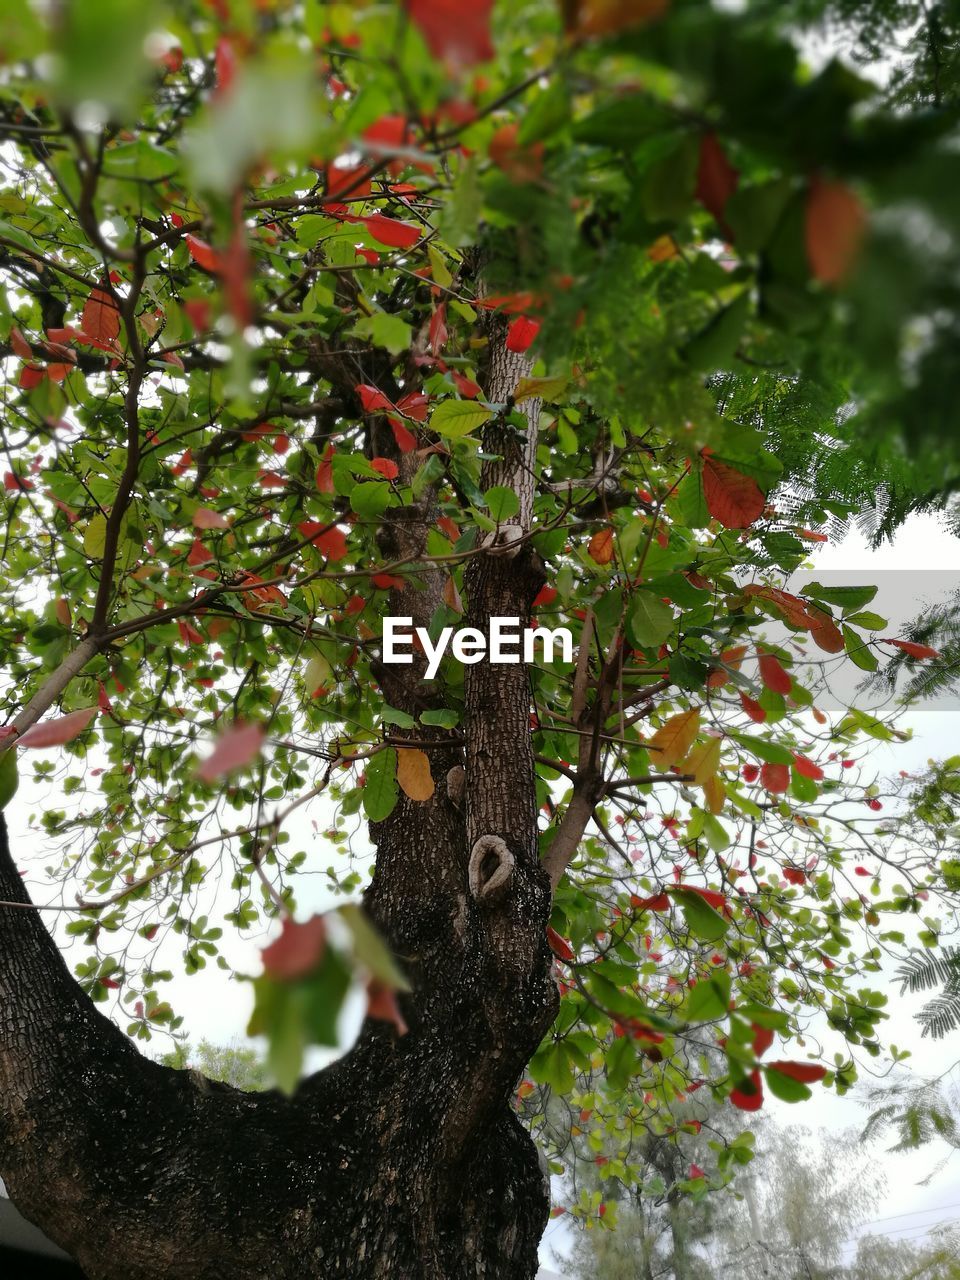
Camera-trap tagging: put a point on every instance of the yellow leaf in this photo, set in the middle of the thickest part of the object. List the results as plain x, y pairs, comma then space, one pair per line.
413, 773
662, 249
715, 793
438, 267
674, 739
544, 388
316, 674
95, 537
703, 761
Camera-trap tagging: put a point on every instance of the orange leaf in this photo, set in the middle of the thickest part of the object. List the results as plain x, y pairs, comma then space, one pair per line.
600, 547
913, 649
451, 596
205, 518
752, 708
732, 498
674, 738
413, 774
834, 231
382, 1004
605, 17
824, 631
773, 675
388, 469
101, 318
203, 254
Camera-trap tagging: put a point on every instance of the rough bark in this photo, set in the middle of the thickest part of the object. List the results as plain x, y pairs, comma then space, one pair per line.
403, 1159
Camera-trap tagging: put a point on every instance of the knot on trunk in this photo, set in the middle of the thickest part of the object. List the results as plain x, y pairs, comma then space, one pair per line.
491, 869
505, 541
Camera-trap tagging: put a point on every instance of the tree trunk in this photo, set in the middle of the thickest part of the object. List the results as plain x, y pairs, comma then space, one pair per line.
402, 1160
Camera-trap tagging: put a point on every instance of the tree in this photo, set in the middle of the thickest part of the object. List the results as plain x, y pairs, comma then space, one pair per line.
320, 314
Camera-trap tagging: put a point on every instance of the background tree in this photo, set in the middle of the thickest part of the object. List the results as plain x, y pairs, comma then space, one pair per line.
319, 313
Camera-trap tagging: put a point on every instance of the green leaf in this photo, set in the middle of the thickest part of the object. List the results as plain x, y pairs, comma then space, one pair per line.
785, 1087
390, 715
95, 537
859, 652
385, 331
619, 1063
702, 920
380, 791
457, 418
868, 621
502, 503
370, 949
847, 598
442, 718
370, 500
9, 777
650, 621
709, 999
770, 752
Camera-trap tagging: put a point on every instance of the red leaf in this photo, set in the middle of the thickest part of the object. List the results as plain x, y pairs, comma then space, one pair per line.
521, 333
198, 553
811, 536
386, 581
748, 1095
54, 733
226, 65
382, 1004
19, 345
752, 708
732, 498
203, 254
455, 32
466, 387
600, 547
31, 375
270, 480
914, 650
546, 595
298, 951
189, 634
406, 440
235, 749
696, 1171
824, 631
834, 230
775, 777
103, 700
392, 232
204, 518
560, 947
414, 405
325, 471
773, 675
331, 543
261, 592
807, 768
15, 483
386, 467
198, 312
762, 1039
750, 772
659, 902
716, 178
368, 255
793, 875
372, 398
438, 329
101, 318
805, 1072
449, 527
